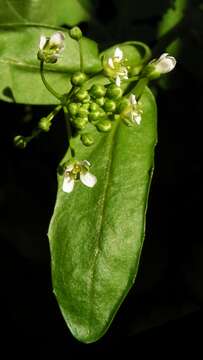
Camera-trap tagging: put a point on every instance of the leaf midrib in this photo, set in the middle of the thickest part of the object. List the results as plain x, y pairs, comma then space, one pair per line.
101, 210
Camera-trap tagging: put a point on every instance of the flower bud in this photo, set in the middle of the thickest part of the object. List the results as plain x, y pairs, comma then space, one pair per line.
20, 141
81, 95
104, 125
73, 108
86, 100
78, 78
114, 92
85, 106
75, 33
87, 139
157, 67
94, 106
124, 103
80, 122
100, 101
82, 112
109, 105
95, 116
97, 91
44, 124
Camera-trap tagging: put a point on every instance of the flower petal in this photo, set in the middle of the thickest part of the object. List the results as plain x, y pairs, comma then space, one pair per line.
42, 42
118, 81
137, 118
165, 63
110, 63
57, 39
69, 167
132, 99
163, 56
68, 184
85, 163
118, 54
88, 179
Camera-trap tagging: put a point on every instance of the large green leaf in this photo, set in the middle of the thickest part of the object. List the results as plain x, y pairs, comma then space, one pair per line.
69, 12
20, 74
96, 235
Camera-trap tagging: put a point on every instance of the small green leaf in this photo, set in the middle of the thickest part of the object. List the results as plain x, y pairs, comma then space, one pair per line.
96, 235
20, 67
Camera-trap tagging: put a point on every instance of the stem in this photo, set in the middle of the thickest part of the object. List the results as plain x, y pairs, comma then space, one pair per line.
81, 56
54, 112
37, 131
49, 88
69, 131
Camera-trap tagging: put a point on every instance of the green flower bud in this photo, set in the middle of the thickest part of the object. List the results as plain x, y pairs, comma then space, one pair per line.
100, 101
82, 112
85, 106
87, 139
124, 103
81, 95
20, 141
95, 116
73, 108
110, 105
80, 122
44, 124
94, 106
104, 125
97, 91
86, 100
114, 92
78, 78
116, 117
75, 33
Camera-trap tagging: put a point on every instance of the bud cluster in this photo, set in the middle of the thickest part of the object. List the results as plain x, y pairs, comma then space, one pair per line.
98, 106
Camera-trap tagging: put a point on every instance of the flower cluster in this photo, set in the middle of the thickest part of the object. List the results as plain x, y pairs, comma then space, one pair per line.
99, 105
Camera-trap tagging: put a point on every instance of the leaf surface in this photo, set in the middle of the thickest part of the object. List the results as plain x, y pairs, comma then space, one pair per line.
96, 235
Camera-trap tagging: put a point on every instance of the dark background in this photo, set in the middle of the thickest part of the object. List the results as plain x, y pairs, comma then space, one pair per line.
162, 314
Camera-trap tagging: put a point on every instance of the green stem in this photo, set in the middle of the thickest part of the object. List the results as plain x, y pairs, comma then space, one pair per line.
69, 131
46, 84
54, 112
37, 131
81, 56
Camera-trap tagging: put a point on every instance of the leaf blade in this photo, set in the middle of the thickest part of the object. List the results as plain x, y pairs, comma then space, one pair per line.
95, 252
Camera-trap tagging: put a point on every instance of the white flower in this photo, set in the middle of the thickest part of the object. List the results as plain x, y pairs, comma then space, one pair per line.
50, 48
164, 64
78, 171
132, 113
116, 68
